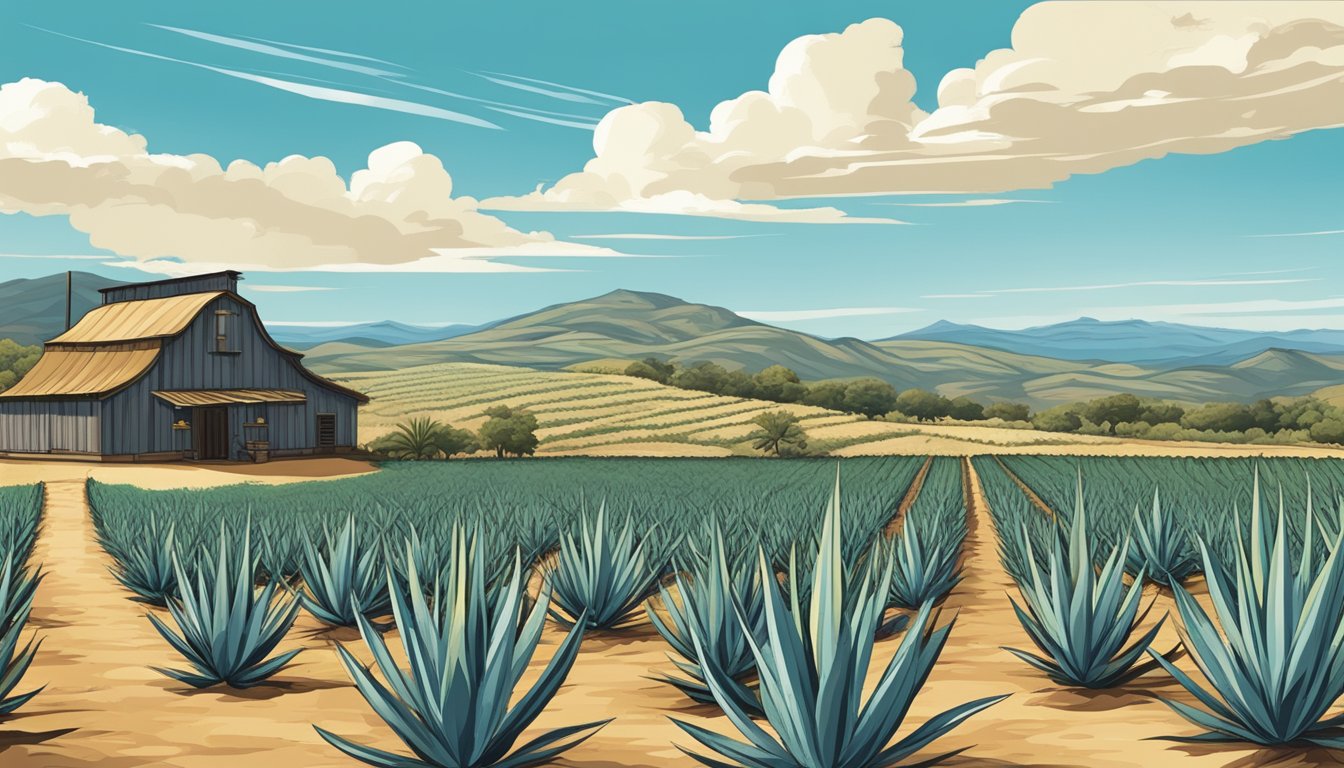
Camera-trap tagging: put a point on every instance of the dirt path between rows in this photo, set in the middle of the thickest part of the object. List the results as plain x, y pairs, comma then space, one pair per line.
1042, 724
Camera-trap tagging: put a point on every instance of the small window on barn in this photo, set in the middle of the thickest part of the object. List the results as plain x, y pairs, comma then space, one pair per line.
225, 322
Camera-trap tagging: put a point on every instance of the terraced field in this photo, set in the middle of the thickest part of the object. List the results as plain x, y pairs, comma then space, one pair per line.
603, 414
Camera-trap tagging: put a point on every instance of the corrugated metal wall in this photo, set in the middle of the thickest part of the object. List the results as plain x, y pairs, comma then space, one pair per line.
137, 422
203, 284
42, 426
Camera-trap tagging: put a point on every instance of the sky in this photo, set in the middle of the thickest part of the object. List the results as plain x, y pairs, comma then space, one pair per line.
846, 169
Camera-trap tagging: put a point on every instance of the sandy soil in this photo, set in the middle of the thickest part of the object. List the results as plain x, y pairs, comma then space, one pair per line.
102, 705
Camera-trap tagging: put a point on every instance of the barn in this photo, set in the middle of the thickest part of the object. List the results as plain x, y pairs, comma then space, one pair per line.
174, 369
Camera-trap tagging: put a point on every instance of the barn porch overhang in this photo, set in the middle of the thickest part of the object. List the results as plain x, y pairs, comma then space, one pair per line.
191, 398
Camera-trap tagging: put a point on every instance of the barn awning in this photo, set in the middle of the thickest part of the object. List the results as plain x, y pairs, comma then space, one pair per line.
189, 398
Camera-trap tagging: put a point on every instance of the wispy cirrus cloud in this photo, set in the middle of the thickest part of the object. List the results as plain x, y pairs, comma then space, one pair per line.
268, 49
660, 236
1212, 282
1318, 233
975, 203
265, 288
555, 90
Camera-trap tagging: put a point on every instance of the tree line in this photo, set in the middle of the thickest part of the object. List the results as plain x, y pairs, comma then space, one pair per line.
507, 431
1295, 420
869, 397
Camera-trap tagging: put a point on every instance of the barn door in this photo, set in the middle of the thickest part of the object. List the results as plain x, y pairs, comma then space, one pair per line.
211, 427
326, 433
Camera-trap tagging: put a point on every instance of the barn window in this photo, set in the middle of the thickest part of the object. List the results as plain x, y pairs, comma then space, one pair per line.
224, 330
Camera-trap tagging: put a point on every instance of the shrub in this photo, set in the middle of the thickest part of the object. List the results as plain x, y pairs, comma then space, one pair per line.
1008, 411
227, 627
778, 432
466, 652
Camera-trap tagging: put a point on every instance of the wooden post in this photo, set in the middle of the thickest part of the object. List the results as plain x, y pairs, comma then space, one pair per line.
69, 293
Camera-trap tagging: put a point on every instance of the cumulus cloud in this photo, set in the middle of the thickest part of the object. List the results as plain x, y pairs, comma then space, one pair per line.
179, 213
1085, 87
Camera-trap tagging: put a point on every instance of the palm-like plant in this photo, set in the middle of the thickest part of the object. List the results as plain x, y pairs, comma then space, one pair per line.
466, 651
778, 432
1081, 619
414, 440
17, 587
703, 627
344, 579
1274, 660
227, 626
601, 577
812, 669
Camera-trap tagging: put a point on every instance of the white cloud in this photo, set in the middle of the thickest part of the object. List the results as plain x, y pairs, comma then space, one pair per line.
1319, 233
1085, 88
288, 288
176, 214
787, 315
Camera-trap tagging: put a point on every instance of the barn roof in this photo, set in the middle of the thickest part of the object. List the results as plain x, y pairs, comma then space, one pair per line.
137, 320
85, 371
114, 345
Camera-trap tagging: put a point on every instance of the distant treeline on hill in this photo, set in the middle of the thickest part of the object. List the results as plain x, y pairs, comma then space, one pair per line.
15, 361
1298, 420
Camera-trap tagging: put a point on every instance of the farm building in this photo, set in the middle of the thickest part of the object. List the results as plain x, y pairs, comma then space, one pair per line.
174, 369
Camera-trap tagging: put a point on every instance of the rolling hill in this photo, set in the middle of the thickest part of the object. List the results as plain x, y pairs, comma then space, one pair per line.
628, 325
1154, 344
33, 311
386, 333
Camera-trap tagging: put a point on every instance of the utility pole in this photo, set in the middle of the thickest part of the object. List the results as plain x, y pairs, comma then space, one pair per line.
69, 296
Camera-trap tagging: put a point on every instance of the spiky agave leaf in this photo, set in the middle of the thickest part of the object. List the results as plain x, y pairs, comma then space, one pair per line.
227, 627
924, 562
703, 628
812, 669
600, 575
1081, 618
1274, 660
345, 578
465, 657
144, 564
17, 587
1162, 548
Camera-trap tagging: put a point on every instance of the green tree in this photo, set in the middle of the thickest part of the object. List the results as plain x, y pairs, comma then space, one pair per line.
704, 376
1328, 430
653, 369
737, 384
827, 394
965, 409
509, 432
923, 405
1113, 409
1061, 418
15, 361
1161, 412
779, 384
414, 440
778, 432
1219, 417
870, 397
1008, 411
451, 442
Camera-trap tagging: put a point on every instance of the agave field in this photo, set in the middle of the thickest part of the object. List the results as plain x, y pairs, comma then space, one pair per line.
734, 612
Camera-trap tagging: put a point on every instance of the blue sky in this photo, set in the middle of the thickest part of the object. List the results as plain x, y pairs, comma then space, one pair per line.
1193, 238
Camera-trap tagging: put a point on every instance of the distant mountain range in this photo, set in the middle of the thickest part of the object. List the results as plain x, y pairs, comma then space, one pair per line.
33, 311
1052, 364
386, 333
628, 325
1133, 341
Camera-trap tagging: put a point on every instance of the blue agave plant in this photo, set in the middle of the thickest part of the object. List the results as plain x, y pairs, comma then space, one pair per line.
1081, 618
228, 627
601, 575
812, 668
466, 650
344, 580
1274, 658
17, 587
